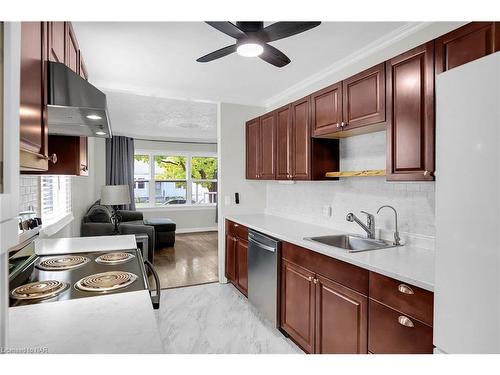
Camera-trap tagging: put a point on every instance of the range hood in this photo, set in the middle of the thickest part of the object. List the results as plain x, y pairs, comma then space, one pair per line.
75, 107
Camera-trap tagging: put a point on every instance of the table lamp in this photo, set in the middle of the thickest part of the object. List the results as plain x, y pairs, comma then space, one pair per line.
115, 195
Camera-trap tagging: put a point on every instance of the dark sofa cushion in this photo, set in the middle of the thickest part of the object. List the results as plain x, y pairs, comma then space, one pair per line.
98, 214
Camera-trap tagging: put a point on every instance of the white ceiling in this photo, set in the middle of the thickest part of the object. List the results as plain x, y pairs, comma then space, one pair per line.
159, 58
149, 117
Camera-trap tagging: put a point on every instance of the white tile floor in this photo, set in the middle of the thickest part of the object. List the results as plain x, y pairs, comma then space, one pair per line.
216, 318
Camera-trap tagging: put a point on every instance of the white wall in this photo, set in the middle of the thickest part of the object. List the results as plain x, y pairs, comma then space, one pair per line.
414, 201
231, 138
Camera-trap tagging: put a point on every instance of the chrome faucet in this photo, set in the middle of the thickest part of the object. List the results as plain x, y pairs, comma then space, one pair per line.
397, 239
369, 227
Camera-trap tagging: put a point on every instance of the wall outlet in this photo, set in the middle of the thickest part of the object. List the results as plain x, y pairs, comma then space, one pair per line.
327, 210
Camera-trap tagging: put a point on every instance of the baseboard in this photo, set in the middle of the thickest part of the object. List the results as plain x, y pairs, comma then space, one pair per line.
196, 230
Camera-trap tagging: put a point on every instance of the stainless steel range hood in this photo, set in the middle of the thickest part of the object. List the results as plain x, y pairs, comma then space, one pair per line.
75, 107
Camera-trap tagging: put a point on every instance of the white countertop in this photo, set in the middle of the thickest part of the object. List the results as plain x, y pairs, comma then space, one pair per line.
53, 246
115, 323
406, 263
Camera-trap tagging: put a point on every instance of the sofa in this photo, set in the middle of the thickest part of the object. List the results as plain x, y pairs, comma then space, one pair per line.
97, 222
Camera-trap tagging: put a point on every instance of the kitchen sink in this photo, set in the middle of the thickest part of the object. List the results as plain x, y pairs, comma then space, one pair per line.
351, 243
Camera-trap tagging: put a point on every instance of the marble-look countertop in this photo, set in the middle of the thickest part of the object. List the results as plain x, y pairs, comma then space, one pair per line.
406, 263
55, 246
115, 323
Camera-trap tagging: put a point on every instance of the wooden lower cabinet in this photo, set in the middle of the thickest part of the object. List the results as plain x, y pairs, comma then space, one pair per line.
242, 266
341, 319
298, 304
392, 332
231, 258
320, 315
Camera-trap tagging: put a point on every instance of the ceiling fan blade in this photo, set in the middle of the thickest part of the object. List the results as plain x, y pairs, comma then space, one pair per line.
228, 28
218, 54
274, 56
280, 30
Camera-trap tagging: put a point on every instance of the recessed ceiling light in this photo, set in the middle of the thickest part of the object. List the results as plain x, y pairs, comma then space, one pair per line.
249, 49
100, 133
94, 117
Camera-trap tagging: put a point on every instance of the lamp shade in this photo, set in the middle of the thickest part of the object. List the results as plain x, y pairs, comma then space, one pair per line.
115, 195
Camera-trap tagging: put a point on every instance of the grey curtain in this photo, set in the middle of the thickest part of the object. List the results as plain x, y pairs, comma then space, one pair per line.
120, 165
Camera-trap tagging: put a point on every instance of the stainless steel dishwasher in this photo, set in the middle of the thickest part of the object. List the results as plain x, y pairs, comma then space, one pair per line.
263, 274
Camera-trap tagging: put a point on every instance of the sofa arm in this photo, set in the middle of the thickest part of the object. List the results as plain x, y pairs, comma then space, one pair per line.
128, 215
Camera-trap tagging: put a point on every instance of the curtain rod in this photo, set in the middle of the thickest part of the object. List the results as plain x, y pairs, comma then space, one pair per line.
164, 141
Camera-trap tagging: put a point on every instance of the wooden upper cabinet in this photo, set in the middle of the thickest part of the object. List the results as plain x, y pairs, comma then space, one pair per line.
33, 124
56, 41
267, 157
341, 319
72, 49
301, 145
284, 138
298, 304
253, 148
327, 110
71, 153
363, 98
468, 43
410, 104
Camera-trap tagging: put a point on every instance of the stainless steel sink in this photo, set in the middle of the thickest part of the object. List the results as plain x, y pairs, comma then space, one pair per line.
351, 243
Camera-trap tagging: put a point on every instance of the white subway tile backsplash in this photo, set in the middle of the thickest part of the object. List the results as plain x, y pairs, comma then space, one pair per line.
29, 191
414, 201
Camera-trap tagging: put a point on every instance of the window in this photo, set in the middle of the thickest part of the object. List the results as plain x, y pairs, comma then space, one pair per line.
55, 197
175, 180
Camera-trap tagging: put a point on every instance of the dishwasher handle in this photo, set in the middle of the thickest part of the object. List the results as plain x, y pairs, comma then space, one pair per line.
261, 245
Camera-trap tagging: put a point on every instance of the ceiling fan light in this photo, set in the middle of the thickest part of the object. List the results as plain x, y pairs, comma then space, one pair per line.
250, 49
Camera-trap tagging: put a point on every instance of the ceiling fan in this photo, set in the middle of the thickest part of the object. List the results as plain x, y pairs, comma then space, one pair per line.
252, 38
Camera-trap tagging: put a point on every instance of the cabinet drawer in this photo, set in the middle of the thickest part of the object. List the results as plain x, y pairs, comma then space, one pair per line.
341, 272
390, 332
236, 230
408, 299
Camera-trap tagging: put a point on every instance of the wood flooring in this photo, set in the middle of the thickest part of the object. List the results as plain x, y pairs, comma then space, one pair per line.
192, 261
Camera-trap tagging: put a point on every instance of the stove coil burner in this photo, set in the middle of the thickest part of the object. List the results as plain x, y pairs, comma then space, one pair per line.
115, 258
106, 281
63, 263
39, 290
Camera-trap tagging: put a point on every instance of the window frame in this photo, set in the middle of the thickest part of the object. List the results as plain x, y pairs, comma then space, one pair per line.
189, 180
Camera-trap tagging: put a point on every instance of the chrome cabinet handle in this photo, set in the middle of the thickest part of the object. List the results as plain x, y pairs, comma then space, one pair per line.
405, 321
405, 289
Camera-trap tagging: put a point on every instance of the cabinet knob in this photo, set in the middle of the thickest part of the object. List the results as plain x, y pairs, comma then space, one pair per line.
83, 168
405, 289
315, 281
310, 278
428, 173
405, 321
236, 225
342, 124
338, 125
52, 158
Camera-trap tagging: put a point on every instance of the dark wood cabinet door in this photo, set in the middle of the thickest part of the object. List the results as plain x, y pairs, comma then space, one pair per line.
468, 43
341, 319
284, 143
410, 104
231, 258
71, 153
267, 146
242, 266
326, 108
392, 332
298, 304
301, 150
252, 148
72, 49
33, 125
363, 98
56, 42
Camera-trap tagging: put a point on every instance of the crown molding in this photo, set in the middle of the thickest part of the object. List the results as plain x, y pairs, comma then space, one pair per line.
374, 47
